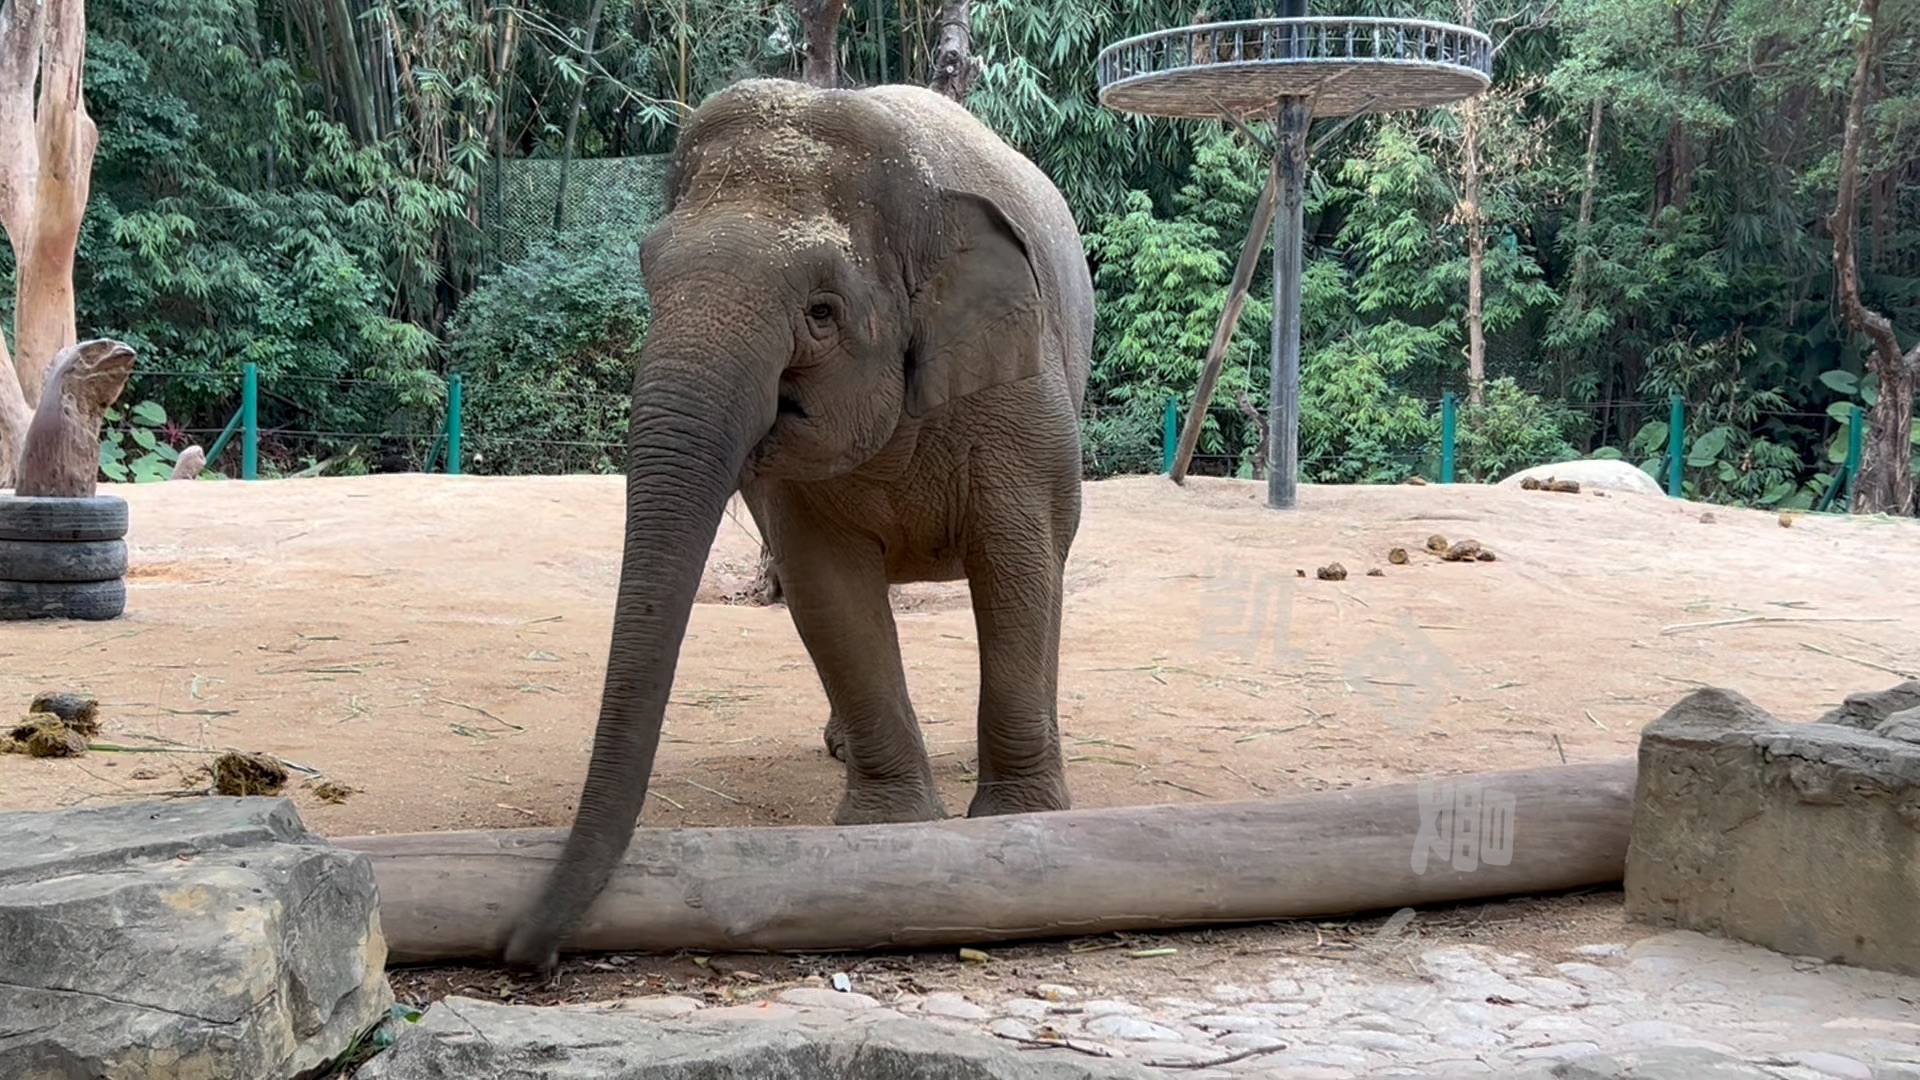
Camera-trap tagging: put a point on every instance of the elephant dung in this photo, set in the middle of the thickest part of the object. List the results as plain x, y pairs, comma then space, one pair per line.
44, 734
248, 774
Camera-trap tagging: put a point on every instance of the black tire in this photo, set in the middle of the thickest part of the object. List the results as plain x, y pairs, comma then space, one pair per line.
99, 517
91, 600
79, 561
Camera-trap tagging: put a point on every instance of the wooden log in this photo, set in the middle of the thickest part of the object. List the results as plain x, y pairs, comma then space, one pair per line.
1229, 319
61, 457
452, 895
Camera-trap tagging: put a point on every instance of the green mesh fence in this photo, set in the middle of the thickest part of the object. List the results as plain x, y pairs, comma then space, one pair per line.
612, 197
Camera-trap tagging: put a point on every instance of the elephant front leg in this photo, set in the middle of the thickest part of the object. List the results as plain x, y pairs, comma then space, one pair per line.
835, 736
1018, 586
837, 595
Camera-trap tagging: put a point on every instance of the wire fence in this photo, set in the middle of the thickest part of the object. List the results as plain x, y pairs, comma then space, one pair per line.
458, 426
605, 197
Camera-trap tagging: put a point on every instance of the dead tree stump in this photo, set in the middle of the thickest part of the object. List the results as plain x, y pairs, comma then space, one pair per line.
61, 457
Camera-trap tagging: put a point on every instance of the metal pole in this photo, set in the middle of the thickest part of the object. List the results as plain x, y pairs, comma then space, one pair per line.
250, 423
1676, 442
1169, 433
1446, 437
1855, 420
1283, 397
453, 427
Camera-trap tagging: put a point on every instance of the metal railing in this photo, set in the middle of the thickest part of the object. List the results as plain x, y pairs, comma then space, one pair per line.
1259, 42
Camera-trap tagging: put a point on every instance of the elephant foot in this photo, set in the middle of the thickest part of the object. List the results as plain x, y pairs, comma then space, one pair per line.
1026, 795
836, 736
888, 804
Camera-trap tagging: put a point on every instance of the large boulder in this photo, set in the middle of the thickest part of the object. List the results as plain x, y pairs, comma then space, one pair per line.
466, 1037
1803, 838
207, 938
1592, 474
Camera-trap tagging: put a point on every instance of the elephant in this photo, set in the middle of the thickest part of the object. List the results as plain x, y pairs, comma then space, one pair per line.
873, 320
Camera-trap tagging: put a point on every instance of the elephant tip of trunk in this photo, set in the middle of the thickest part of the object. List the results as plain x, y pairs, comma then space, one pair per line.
534, 947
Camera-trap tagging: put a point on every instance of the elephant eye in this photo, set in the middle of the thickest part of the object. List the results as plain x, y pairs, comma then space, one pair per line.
820, 312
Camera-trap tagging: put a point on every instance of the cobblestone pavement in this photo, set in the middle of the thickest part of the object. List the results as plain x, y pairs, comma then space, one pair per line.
1461, 1010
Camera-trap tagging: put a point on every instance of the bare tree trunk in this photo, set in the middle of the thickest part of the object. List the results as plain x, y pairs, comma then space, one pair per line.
821, 19
46, 161
1476, 258
1885, 483
573, 118
954, 65
43, 311
1476, 239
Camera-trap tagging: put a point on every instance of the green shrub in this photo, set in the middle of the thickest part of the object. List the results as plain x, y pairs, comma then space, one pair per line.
1511, 430
547, 349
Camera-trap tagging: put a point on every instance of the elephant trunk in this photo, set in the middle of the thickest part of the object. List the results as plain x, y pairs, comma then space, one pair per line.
695, 419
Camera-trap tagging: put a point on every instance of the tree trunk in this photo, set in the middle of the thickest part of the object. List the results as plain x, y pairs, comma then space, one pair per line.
573, 119
1885, 482
1476, 238
954, 65
61, 457
1476, 258
821, 20
448, 895
46, 161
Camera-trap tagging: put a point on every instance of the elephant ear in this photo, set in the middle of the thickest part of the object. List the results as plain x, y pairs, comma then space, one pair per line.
977, 317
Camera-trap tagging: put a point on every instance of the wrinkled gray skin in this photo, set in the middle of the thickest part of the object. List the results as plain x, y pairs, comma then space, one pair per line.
874, 319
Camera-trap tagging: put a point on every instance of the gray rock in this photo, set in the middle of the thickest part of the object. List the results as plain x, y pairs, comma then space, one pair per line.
1796, 837
1903, 725
213, 937
822, 997
1868, 710
464, 1038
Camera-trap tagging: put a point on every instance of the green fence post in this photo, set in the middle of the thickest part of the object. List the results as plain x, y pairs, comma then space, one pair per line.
1676, 442
453, 427
1170, 435
1855, 422
250, 421
226, 436
1447, 422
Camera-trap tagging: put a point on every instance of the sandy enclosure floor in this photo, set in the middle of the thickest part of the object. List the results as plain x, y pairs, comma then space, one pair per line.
437, 644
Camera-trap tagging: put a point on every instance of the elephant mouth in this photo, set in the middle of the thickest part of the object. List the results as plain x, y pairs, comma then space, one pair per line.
790, 407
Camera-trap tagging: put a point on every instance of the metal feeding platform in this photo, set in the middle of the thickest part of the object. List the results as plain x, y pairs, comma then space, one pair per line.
1293, 70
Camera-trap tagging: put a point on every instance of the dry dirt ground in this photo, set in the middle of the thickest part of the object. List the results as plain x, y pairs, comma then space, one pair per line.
436, 643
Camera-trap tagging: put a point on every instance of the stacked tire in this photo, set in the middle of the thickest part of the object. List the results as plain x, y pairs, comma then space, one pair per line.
62, 558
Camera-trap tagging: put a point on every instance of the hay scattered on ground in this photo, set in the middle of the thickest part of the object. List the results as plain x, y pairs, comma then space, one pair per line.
248, 774
332, 791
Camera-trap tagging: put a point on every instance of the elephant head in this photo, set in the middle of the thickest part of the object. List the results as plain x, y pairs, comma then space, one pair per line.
815, 289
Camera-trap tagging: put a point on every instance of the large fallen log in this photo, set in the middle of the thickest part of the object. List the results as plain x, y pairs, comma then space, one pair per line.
451, 895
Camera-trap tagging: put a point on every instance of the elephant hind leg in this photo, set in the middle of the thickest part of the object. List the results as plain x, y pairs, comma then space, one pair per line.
836, 589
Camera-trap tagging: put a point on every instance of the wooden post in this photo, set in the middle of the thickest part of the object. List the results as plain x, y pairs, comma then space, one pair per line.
451, 895
1229, 318
1283, 397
